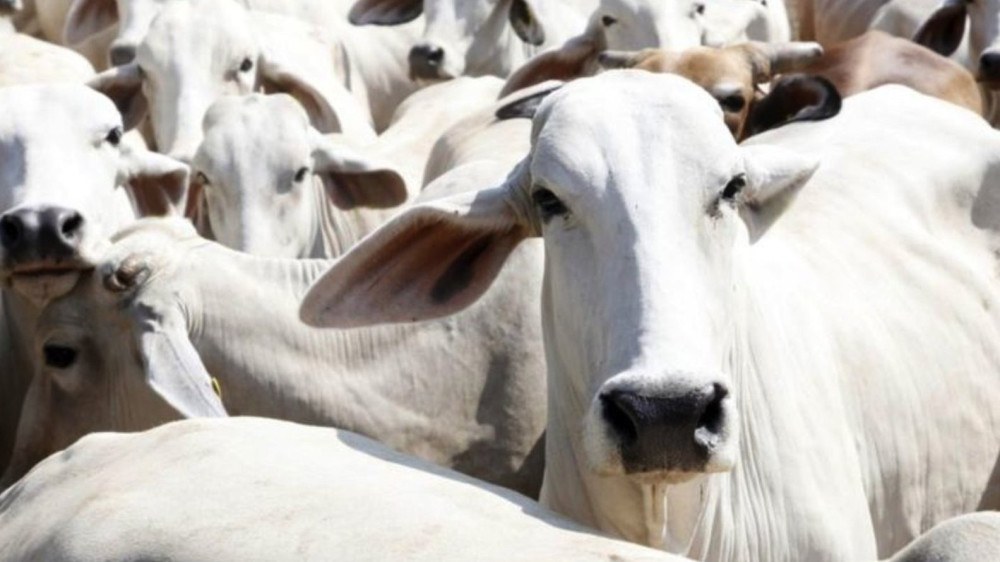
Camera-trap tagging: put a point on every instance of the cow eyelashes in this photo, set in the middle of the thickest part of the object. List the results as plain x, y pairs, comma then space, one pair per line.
246, 65
59, 356
733, 103
608, 21
548, 204
734, 187
114, 136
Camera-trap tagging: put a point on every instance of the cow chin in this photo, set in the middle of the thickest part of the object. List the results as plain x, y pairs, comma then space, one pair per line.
672, 455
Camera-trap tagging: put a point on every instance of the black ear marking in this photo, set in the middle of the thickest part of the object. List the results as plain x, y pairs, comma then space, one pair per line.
525, 24
524, 107
794, 97
942, 32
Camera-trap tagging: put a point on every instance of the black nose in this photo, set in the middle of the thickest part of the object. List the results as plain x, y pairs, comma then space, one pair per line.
426, 61
674, 431
121, 54
44, 233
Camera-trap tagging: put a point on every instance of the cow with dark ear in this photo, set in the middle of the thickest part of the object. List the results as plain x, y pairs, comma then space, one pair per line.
942, 32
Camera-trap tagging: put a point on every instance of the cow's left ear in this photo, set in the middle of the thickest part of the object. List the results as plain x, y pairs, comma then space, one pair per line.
525, 22
385, 12
773, 178
353, 178
942, 32
297, 63
158, 184
175, 372
88, 17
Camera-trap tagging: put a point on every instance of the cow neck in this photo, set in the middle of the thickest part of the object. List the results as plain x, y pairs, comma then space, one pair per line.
755, 511
244, 321
17, 320
337, 230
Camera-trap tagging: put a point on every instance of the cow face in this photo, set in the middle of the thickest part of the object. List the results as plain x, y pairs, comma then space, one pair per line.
113, 354
262, 170
196, 52
646, 206
66, 182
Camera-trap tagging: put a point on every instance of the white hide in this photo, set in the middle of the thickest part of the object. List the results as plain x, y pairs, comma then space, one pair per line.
194, 52
172, 493
466, 392
26, 60
114, 28
270, 185
834, 312
54, 150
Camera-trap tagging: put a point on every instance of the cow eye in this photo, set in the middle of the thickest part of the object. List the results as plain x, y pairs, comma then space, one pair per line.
699, 9
300, 175
548, 204
734, 187
246, 65
59, 356
114, 136
202, 178
608, 21
733, 103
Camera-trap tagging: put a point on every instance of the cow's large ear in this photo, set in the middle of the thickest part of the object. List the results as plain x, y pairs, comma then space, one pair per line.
175, 372
385, 12
158, 183
774, 177
88, 17
573, 60
123, 84
793, 98
524, 103
942, 32
525, 22
434, 259
353, 178
298, 64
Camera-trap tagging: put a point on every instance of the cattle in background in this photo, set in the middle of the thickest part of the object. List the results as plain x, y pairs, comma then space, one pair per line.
717, 344
67, 181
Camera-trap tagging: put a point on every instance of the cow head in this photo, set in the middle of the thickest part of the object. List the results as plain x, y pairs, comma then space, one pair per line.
647, 207
196, 52
67, 182
261, 172
113, 354
732, 75
133, 17
943, 30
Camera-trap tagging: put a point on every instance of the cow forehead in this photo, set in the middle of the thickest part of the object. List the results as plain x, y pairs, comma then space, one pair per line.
627, 117
55, 113
209, 27
265, 129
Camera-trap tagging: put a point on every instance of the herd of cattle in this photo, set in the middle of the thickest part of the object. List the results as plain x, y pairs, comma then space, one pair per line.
500, 280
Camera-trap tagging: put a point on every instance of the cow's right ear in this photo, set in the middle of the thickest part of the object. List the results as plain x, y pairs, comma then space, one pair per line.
175, 372
88, 17
576, 58
432, 260
385, 12
123, 84
944, 29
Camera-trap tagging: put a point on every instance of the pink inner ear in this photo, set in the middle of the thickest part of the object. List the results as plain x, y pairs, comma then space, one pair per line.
88, 17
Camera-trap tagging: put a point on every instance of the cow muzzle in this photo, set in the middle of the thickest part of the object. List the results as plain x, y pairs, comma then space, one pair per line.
42, 250
428, 62
989, 69
664, 431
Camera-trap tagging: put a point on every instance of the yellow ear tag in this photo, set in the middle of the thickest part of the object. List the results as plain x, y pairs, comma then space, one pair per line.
217, 387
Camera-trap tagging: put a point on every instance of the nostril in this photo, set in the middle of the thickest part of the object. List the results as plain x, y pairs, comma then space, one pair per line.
11, 231
435, 55
71, 225
619, 415
710, 423
121, 54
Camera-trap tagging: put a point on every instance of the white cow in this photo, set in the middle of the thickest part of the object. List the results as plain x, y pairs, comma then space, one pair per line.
120, 25
675, 25
478, 37
26, 60
65, 185
736, 373
269, 184
300, 492
196, 52
165, 308
171, 493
